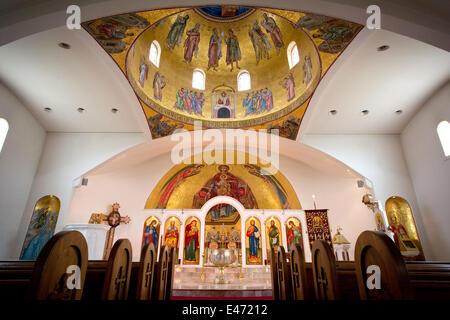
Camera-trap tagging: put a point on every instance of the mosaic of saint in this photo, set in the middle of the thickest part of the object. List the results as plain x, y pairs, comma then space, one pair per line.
253, 237
41, 227
402, 225
192, 241
273, 235
294, 234
172, 233
151, 232
225, 183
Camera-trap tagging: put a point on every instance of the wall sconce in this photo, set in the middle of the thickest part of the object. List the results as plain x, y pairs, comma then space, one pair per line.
370, 202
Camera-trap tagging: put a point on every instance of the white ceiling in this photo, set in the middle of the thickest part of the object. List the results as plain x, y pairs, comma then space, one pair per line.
41, 74
402, 77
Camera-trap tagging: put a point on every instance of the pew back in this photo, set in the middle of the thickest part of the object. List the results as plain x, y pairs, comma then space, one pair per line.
118, 271
146, 273
324, 271
60, 268
298, 274
380, 269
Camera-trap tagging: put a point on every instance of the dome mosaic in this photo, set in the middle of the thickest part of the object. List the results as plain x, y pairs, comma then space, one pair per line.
225, 66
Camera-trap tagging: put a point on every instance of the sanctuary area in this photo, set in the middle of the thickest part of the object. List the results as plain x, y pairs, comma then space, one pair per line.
224, 151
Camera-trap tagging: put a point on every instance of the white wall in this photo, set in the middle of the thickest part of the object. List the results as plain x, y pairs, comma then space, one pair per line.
430, 172
379, 158
131, 185
19, 159
67, 156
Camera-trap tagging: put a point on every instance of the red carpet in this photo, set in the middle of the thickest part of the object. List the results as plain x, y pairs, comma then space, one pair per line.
221, 298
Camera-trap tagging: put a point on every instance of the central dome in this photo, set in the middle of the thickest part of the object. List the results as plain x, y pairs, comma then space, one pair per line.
226, 66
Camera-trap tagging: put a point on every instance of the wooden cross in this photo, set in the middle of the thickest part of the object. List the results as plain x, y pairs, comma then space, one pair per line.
113, 219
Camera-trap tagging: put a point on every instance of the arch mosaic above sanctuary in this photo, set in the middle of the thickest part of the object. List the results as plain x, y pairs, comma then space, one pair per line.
218, 42
190, 186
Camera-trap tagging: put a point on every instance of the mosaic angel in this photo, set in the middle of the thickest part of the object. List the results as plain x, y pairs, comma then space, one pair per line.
176, 32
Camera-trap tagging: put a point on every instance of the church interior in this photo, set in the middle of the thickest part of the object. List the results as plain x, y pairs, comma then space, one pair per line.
175, 151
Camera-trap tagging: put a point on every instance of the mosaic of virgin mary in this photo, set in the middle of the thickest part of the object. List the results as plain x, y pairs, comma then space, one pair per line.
225, 183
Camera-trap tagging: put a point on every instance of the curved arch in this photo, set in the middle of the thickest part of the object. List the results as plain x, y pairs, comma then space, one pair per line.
221, 199
253, 241
41, 227
192, 240
292, 54
154, 54
402, 225
244, 80
274, 191
152, 226
198, 79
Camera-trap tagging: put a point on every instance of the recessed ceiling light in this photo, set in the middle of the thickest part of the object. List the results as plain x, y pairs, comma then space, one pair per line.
81, 110
114, 110
332, 112
48, 109
399, 111
365, 112
383, 47
64, 45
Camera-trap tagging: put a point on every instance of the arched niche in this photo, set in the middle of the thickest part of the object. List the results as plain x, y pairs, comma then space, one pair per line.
41, 227
294, 233
172, 232
402, 225
253, 241
151, 231
222, 230
274, 237
192, 236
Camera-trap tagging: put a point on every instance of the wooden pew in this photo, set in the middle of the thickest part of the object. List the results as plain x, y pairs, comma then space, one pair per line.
63, 256
146, 273
118, 271
164, 275
299, 283
274, 275
324, 271
283, 275
380, 269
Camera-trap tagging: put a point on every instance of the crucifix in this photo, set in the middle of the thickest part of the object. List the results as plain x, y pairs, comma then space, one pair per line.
113, 219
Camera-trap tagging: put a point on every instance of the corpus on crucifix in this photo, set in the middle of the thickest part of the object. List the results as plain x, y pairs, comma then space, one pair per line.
113, 219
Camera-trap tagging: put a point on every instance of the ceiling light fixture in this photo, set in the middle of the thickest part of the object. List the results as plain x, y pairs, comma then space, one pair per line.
383, 47
399, 111
114, 110
48, 109
365, 112
333, 112
81, 110
64, 45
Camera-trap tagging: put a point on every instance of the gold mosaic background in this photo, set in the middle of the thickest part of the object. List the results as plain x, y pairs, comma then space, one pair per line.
286, 119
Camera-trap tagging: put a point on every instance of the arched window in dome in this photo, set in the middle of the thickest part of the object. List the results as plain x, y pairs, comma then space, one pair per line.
155, 53
293, 55
4, 127
443, 131
244, 81
198, 79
